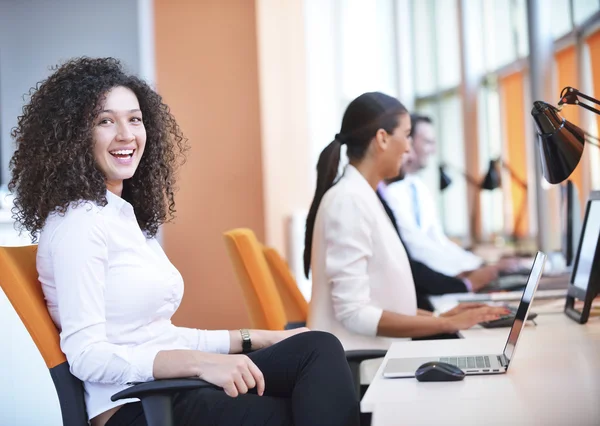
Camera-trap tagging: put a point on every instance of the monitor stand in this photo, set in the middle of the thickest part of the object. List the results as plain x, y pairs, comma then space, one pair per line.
581, 316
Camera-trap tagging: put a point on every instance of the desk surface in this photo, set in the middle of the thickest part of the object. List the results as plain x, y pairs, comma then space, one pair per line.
554, 379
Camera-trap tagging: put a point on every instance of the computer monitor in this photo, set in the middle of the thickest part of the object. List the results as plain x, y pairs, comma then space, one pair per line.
585, 277
571, 220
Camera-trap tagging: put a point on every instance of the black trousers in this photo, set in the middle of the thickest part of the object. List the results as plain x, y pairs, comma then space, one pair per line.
307, 382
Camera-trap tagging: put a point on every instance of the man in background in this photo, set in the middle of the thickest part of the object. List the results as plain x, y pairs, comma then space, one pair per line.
417, 219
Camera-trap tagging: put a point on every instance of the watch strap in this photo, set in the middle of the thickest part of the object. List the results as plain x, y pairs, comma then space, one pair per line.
246, 340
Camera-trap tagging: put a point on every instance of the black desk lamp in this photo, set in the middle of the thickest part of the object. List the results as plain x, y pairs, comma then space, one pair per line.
560, 141
446, 180
493, 177
493, 180
561, 145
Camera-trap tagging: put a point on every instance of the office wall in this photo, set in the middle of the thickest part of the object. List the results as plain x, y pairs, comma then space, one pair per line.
35, 34
207, 71
286, 146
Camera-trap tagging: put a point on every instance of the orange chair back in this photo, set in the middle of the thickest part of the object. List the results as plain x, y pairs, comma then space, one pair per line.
19, 281
294, 303
260, 293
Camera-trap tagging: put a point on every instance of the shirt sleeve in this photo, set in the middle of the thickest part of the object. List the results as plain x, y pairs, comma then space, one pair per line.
80, 262
468, 284
216, 341
348, 249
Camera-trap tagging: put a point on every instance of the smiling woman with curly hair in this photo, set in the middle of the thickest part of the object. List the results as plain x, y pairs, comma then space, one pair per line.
93, 178
54, 164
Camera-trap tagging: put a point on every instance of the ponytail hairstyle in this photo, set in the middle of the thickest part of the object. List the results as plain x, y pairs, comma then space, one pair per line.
363, 118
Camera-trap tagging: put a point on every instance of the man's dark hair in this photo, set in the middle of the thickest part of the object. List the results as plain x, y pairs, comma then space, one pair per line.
415, 119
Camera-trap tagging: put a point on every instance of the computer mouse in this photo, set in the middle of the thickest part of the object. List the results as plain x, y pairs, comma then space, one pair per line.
436, 371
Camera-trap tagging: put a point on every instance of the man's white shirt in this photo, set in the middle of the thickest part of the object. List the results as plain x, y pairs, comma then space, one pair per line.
418, 222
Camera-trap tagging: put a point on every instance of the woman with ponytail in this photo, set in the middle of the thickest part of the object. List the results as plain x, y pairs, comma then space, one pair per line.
363, 289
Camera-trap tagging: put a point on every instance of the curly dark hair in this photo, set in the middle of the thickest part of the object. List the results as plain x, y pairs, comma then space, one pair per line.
53, 166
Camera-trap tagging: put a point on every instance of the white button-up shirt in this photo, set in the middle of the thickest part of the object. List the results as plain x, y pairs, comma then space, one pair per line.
425, 240
359, 266
111, 292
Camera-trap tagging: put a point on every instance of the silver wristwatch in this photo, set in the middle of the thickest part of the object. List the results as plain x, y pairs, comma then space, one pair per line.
246, 340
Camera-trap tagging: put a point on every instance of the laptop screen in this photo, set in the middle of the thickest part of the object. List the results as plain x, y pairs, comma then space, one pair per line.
526, 299
589, 240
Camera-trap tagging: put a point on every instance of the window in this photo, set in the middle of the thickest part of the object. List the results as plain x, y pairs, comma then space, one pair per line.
490, 148
437, 77
560, 17
592, 82
424, 47
451, 146
498, 33
365, 42
520, 26
367, 48
447, 44
584, 9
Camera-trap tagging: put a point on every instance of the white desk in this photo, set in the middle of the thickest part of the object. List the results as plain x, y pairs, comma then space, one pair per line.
554, 379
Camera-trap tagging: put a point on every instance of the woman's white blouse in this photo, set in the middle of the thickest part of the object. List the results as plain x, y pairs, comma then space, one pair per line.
111, 292
359, 265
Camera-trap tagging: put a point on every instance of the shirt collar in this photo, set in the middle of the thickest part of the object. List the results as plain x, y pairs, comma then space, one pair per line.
381, 189
353, 174
118, 203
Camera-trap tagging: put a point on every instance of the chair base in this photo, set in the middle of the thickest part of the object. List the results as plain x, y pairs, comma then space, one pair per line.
157, 409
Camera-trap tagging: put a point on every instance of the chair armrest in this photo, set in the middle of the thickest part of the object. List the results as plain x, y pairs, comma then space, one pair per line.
165, 386
292, 325
364, 354
354, 359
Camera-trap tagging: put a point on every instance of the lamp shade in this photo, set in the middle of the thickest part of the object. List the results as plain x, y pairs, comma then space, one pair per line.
492, 179
445, 180
560, 142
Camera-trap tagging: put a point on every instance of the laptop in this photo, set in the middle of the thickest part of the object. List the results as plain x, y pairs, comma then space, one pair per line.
480, 363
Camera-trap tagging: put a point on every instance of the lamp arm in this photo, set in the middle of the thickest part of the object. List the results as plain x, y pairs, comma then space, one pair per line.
468, 178
590, 136
514, 176
569, 96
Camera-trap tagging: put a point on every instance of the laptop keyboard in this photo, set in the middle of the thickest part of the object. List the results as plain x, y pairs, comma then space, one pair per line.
468, 361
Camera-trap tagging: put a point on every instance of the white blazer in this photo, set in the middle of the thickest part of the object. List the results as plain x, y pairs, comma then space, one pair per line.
426, 242
359, 266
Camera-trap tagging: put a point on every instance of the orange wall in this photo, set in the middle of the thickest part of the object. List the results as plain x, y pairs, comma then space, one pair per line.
512, 88
207, 71
566, 62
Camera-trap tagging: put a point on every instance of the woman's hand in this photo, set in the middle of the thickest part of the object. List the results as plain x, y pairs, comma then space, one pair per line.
481, 277
509, 264
462, 307
470, 317
236, 374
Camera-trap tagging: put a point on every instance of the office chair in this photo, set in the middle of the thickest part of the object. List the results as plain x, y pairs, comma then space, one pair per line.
19, 281
260, 292
294, 303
